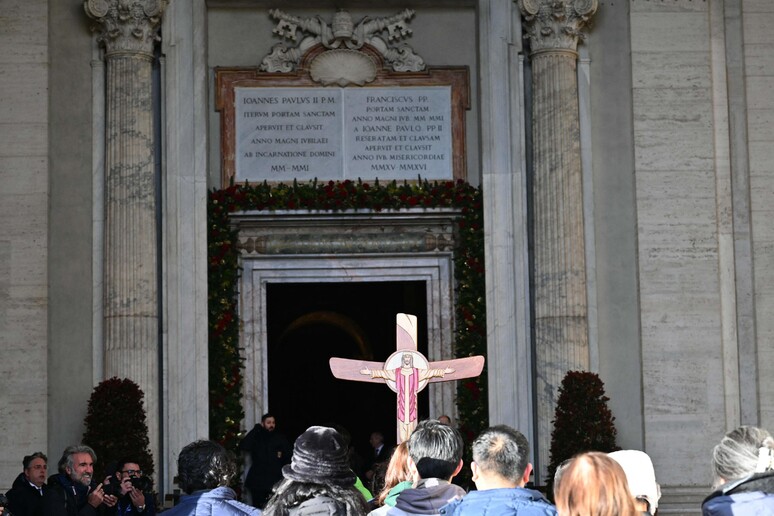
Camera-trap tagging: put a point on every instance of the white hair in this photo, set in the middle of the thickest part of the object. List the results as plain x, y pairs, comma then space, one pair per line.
742, 452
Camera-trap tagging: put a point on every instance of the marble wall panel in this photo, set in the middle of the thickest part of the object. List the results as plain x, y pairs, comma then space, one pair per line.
672, 6
760, 92
19, 39
760, 127
23, 221
758, 6
666, 31
663, 69
757, 19
23, 93
759, 59
20, 139
687, 452
676, 201
23, 175
673, 129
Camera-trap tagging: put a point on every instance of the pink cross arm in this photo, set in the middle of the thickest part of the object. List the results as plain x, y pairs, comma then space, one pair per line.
346, 369
467, 367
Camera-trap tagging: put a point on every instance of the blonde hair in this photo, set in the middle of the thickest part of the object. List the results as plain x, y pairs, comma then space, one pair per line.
397, 470
593, 484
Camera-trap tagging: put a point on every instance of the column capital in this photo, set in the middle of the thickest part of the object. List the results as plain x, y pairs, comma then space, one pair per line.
556, 24
126, 25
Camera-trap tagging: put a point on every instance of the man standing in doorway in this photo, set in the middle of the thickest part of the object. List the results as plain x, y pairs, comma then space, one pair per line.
268, 450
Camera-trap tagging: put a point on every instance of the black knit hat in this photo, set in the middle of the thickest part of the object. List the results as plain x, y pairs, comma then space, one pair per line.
319, 457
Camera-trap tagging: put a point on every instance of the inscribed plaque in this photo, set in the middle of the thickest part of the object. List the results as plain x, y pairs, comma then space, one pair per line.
343, 133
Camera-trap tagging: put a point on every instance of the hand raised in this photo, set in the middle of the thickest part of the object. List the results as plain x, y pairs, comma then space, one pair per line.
96, 496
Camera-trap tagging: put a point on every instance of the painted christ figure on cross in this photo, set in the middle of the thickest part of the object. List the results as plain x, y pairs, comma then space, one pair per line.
406, 372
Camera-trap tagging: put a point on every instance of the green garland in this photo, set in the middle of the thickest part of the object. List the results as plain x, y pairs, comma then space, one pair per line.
225, 360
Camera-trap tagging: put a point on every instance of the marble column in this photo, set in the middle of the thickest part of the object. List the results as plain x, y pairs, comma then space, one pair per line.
553, 28
128, 30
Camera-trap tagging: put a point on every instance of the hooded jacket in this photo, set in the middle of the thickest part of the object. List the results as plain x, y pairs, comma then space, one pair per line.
392, 498
428, 497
751, 495
220, 501
507, 501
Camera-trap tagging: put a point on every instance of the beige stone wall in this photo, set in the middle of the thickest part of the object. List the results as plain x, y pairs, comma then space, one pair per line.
23, 232
679, 188
758, 19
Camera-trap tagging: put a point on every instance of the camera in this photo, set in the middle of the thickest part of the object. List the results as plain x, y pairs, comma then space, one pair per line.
142, 483
113, 488
4, 505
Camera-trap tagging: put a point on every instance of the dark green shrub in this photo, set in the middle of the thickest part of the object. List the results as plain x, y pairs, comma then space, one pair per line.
582, 422
116, 426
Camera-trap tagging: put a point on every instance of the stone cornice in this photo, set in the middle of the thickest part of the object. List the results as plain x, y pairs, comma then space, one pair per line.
556, 24
126, 25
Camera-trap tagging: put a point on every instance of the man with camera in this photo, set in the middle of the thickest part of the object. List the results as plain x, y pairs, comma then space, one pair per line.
131, 488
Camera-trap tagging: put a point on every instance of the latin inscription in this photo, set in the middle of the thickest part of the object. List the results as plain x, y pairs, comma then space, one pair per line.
389, 133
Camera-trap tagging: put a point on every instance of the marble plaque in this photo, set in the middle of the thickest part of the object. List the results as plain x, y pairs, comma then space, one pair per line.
343, 133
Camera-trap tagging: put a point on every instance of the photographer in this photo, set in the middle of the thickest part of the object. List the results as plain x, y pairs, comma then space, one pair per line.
133, 491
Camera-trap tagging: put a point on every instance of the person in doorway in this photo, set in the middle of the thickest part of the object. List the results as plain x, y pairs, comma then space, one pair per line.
268, 450
377, 464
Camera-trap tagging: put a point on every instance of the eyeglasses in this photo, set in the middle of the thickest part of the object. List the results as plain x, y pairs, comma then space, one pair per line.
130, 472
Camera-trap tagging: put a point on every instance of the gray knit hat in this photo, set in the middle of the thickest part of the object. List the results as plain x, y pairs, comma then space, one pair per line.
320, 457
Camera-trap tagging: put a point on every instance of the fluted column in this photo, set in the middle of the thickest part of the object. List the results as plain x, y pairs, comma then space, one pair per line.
128, 29
561, 322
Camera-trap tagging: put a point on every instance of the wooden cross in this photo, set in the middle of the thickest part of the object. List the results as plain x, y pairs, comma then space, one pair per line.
406, 372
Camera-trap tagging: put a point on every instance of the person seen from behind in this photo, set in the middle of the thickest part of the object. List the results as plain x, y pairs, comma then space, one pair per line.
641, 478
205, 470
435, 457
318, 481
743, 468
396, 479
593, 484
501, 469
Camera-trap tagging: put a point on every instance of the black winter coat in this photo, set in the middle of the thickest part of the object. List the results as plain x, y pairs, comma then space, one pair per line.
23, 498
63, 498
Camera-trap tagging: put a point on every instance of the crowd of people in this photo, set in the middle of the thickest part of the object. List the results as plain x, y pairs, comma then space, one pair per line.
315, 478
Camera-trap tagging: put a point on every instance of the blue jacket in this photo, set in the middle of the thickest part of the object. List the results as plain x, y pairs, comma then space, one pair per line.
751, 496
220, 501
507, 501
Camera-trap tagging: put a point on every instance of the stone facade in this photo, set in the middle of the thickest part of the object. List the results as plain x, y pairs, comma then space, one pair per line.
675, 115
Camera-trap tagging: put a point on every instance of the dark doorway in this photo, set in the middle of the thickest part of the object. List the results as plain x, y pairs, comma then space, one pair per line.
307, 324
